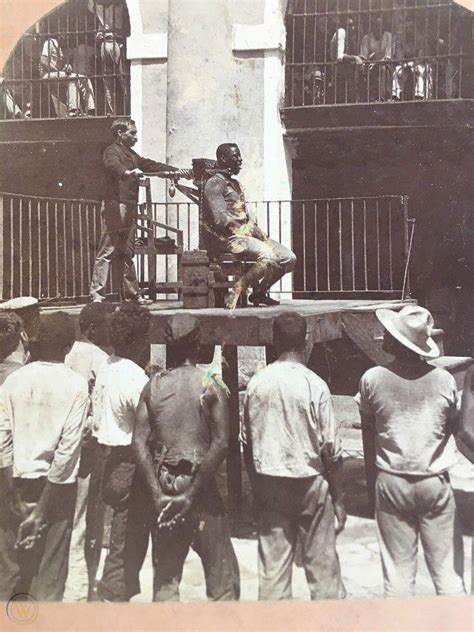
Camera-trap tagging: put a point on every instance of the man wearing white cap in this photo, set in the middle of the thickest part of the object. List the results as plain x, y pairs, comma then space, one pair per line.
412, 408
27, 308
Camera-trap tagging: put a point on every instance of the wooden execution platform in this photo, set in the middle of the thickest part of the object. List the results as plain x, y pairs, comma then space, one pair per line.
252, 326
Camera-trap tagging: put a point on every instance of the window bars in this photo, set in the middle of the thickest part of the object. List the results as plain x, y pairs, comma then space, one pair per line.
70, 63
362, 51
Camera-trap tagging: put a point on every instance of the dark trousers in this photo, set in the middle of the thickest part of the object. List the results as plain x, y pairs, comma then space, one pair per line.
125, 492
291, 511
41, 571
207, 530
116, 248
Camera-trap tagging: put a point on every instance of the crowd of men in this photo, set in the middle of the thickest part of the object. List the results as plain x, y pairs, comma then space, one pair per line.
85, 423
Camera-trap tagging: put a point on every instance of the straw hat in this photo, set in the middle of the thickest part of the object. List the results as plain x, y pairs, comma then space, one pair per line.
412, 327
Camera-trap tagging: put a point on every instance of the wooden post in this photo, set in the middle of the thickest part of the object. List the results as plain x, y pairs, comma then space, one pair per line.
2, 267
230, 367
151, 257
368, 442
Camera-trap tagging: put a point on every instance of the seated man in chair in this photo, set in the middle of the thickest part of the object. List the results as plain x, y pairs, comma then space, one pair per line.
230, 228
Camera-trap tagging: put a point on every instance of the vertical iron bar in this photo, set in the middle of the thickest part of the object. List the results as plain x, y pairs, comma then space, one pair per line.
405, 217
366, 280
328, 271
353, 243
30, 255
378, 242
340, 246
12, 252
48, 253
390, 253
316, 271
64, 249
304, 245
88, 245
73, 257
56, 232
81, 251
40, 258
303, 67
20, 243
293, 62
190, 208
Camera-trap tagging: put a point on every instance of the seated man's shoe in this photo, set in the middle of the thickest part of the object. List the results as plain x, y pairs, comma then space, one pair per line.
232, 298
139, 300
262, 298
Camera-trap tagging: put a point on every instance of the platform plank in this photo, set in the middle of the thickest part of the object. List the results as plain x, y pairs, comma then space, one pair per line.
252, 326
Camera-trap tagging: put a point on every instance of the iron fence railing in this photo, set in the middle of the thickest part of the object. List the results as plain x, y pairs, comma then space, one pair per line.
344, 246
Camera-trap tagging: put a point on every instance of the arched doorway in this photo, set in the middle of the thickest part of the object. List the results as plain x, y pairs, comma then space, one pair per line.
72, 62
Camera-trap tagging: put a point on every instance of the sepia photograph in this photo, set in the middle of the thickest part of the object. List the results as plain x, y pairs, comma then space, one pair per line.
236, 314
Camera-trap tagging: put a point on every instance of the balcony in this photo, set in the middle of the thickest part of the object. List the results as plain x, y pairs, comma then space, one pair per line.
392, 64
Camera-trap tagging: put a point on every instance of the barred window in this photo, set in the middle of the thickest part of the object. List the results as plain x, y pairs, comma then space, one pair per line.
362, 51
70, 63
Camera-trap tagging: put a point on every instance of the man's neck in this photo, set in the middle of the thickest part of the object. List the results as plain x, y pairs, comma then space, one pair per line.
187, 362
291, 356
408, 358
17, 357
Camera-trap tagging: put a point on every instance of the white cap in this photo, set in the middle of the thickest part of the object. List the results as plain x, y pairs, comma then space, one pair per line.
19, 303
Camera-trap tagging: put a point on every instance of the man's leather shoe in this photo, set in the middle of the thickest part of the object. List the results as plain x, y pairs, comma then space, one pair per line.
262, 298
140, 300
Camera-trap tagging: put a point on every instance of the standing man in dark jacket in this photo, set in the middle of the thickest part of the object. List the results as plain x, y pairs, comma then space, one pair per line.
123, 170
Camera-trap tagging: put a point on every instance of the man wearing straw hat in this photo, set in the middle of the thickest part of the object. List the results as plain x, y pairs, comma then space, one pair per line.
412, 408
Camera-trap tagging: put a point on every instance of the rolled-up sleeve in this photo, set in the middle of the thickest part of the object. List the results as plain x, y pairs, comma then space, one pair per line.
362, 398
6, 435
65, 463
330, 442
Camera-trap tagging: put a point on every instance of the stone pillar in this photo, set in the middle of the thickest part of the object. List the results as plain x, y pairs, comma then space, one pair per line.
202, 106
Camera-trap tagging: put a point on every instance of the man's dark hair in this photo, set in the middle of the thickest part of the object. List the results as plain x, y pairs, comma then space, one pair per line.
129, 324
289, 332
120, 125
223, 150
94, 314
56, 335
11, 327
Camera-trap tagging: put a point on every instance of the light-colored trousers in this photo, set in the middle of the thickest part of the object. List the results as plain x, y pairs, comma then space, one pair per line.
294, 511
77, 583
77, 86
423, 74
413, 508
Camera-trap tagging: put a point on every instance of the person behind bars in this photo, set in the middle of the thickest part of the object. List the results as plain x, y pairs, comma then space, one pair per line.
180, 439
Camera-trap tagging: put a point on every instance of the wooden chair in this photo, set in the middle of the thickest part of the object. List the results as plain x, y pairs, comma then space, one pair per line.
225, 266
152, 246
